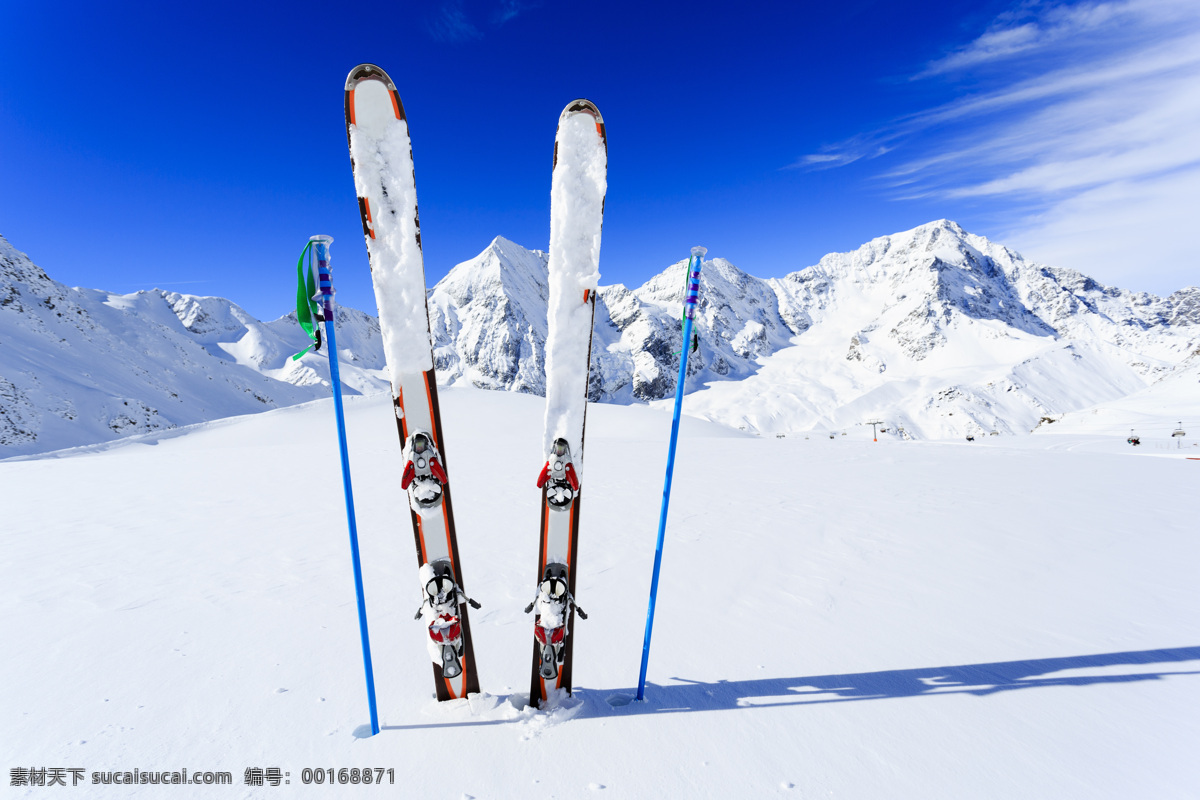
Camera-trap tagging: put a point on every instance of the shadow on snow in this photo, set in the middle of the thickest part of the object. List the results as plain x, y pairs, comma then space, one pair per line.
976, 679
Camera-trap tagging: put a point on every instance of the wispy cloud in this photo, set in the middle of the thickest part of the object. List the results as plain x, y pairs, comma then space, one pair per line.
1134, 233
843, 153
449, 23
1030, 28
1112, 135
511, 9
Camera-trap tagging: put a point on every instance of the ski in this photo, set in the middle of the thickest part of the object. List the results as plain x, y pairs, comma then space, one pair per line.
384, 180
576, 217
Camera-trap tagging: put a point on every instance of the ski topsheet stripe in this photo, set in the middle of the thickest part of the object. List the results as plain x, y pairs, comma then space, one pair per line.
384, 180
577, 196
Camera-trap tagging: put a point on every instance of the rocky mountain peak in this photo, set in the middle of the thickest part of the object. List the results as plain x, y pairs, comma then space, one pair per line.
23, 283
503, 268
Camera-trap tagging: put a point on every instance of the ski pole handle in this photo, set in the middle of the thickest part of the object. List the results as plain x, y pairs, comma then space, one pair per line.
324, 281
693, 292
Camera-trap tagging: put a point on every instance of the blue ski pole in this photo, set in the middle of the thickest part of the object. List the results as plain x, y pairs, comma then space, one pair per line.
320, 245
689, 312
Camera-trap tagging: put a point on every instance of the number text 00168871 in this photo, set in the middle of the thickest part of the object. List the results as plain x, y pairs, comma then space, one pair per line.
347, 775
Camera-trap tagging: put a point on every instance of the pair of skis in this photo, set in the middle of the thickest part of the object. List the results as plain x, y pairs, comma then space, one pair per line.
381, 158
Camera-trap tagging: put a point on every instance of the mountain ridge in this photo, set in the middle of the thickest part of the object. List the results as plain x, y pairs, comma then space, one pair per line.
911, 326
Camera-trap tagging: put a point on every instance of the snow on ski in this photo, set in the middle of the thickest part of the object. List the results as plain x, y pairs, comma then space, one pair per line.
381, 158
576, 217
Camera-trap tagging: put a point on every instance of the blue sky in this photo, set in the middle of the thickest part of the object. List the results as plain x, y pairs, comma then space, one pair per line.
195, 147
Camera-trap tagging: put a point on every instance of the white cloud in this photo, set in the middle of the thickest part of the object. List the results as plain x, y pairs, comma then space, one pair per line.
449, 23
826, 160
988, 47
1050, 26
843, 153
1124, 131
1136, 234
511, 9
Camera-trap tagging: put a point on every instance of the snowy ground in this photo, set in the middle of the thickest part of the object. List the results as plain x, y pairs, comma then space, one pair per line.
1013, 618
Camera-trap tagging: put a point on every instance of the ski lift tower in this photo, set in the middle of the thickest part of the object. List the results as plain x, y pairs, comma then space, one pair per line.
1178, 435
873, 423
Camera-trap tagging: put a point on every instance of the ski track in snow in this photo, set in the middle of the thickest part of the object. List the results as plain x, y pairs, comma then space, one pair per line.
1012, 618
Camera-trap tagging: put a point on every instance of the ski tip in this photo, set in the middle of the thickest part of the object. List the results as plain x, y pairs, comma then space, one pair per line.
365, 72
582, 106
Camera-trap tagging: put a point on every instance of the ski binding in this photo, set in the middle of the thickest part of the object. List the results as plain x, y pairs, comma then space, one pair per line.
558, 477
443, 596
424, 477
554, 603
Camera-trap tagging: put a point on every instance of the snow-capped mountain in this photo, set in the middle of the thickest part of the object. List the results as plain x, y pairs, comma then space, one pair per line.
942, 333
79, 366
933, 331
488, 317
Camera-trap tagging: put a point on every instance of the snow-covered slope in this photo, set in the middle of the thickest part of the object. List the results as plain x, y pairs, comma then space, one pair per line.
1155, 414
79, 366
910, 621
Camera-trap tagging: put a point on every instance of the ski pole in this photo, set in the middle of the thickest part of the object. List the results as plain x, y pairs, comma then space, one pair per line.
689, 312
320, 246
